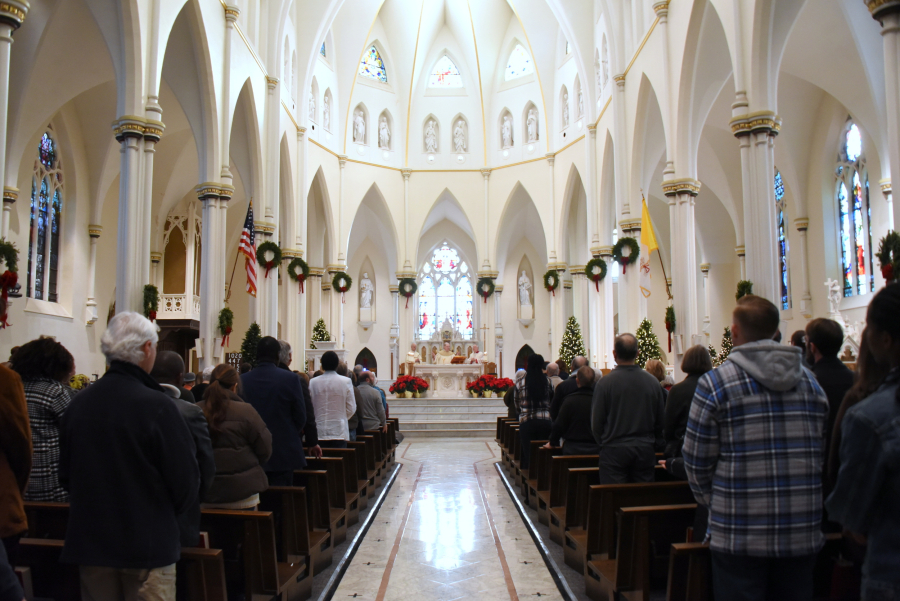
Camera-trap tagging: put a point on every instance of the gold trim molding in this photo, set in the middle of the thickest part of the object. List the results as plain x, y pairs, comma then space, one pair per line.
10, 194
761, 121
628, 225
878, 8
14, 13
802, 224
740, 251
94, 230
155, 256
213, 189
265, 227
704, 267
673, 187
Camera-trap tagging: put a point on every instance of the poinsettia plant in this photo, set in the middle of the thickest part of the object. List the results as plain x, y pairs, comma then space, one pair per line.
408, 384
501, 385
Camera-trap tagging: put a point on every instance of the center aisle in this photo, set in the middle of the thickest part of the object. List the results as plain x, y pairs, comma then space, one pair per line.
448, 530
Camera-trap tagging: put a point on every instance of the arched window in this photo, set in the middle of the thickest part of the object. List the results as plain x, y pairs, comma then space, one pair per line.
445, 74
445, 292
782, 241
372, 66
322, 50
519, 64
854, 214
46, 213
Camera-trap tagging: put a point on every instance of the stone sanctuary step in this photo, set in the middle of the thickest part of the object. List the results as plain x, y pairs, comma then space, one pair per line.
464, 417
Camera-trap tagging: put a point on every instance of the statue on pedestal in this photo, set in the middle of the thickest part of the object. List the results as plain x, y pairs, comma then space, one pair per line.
366, 289
524, 290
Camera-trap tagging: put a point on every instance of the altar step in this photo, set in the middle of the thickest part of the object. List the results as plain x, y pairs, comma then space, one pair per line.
448, 417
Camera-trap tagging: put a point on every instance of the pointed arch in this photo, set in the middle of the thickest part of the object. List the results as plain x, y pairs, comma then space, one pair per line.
519, 219
522, 356
446, 218
373, 65
519, 62
373, 219
649, 137
501, 120
578, 93
319, 222
465, 133
312, 108
287, 234
444, 73
361, 107
327, 111
573, 223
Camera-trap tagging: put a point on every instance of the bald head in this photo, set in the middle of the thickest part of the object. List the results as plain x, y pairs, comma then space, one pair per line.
168, 368
625, 349
552, 369
578, 362
584, 377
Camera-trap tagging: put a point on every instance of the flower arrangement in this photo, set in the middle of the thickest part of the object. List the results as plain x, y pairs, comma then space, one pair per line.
489, 384
501, 385
410, 384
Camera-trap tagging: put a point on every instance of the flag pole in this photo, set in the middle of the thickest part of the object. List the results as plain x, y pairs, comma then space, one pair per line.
665, 277
234, 267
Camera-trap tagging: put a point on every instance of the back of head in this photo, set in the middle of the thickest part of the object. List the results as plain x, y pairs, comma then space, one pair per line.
757, 317
798, 339
883, 311
304, 376
584, 376
284, 352
268, 351
218, 395
330, 361
125, 336
358, 369
552, 369
43, 358
520, 373
655, 368
317, 373
535, 379
168, 368
870, 373
826, 334
626, 347
696, 361
245, 367
207, 373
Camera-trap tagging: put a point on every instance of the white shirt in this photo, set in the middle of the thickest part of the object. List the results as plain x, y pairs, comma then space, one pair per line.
477, 358
333, 401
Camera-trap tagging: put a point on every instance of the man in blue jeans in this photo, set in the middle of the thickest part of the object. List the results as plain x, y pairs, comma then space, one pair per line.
866, 497
753, 453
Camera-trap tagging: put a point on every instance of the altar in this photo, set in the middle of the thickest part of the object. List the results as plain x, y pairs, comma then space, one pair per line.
448, 380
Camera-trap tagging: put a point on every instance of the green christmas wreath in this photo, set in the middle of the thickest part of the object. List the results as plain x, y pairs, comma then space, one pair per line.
485, 287
151, 301
595, 271
744, 287
10, 255
551, 281
336, 282
889, 256
670, 323
226, 322
298, 271
632, 257
261, 251
407, 288
10, 277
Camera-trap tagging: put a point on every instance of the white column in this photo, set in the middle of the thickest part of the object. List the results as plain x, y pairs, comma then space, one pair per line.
551, 161
231, 15
190, 257
661, 7
704, 269
10, 195
684, 261
591, 187
12, 15
889, 200
498, 329
152, 132
90, 313
632, 303
606, 306
395, 333
407, 323
741, 253
888, 13
300, 223
314, 291
267, 218
131, 252
486, 244
806, 298
341, 242
214, 198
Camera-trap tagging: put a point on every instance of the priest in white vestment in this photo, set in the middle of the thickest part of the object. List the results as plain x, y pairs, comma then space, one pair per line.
445, 356
476, 358
412, 357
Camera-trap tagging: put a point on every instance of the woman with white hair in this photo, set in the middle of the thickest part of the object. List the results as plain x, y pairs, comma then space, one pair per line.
127, 459
509, 399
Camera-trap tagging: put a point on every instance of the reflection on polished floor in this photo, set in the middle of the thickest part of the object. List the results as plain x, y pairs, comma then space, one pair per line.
448, 530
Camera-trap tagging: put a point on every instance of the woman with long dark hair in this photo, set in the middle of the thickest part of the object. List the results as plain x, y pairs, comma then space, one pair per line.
533, 396
45, 367
241, 443
695, 363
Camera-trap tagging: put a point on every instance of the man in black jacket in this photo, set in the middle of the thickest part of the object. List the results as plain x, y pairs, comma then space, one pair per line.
128, 461
627, 418
168, 371
277, 396
566, 387
310, 431
573, 424
824, 338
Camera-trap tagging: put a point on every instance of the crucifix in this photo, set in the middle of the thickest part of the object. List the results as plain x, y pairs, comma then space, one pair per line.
484, 329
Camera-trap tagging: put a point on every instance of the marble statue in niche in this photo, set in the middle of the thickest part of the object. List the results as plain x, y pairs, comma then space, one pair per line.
531, 125
384, 134
326, 114
459, 136
312, 106
580, 103
565, 112
366, 290
359, 127
524, 290
430, 137
506, 132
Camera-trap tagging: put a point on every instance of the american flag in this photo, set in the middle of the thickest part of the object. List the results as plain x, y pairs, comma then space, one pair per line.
248, 248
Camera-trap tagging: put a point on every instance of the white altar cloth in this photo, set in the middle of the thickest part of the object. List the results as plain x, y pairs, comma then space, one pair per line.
447, 380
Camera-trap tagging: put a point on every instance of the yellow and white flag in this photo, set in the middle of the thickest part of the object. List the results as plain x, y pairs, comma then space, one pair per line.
648, 245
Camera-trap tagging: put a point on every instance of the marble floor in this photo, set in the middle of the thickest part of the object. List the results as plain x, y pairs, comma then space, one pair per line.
447, 530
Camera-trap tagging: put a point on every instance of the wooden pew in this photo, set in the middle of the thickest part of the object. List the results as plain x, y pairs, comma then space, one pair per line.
558, 494
637, 569
554, 495
340, 497
373, 446
49, 577
580, 481
690, 573
367, 472
47, 520
542, 474
529, 476
297, 536
263, 575
327, 512
354, 472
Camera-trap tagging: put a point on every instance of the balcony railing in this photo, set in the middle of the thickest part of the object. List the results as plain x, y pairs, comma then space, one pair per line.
179, 306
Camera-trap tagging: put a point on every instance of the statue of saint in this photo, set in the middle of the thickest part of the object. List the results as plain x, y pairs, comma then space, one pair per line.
476, 358
312, 106
506, 132
384, 134
445, 355
524, 289
430, 137
366, 289
565, 110
580, 103
326, 114
359, 127
459, 136
531, 125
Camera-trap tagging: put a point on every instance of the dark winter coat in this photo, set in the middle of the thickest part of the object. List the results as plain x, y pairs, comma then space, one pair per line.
277, 396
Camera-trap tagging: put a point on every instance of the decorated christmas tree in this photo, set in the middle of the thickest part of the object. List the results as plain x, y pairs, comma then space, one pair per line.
712, 353
572, 342
319, 333
726, 348
648, 343
251, 341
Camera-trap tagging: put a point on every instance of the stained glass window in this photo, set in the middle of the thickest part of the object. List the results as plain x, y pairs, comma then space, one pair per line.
568, 48
445, 75
782, 241
322, 49
46, 216
445, 293
519, 63
854, 215
372, 66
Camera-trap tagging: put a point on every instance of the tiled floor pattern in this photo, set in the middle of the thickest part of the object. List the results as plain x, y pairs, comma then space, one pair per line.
448, 530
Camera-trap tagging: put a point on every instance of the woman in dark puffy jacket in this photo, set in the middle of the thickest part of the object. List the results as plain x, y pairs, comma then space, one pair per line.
696, 362
241, 443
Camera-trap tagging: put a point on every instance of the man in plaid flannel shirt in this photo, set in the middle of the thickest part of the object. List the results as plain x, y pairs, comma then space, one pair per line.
753, 452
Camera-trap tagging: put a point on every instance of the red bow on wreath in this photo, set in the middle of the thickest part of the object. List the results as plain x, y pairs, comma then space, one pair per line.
887, 272
300, 279
225, 336
596, 279
624, 263
8, 279
152, 315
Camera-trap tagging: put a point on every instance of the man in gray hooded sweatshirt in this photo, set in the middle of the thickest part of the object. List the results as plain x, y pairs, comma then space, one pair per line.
753, 454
